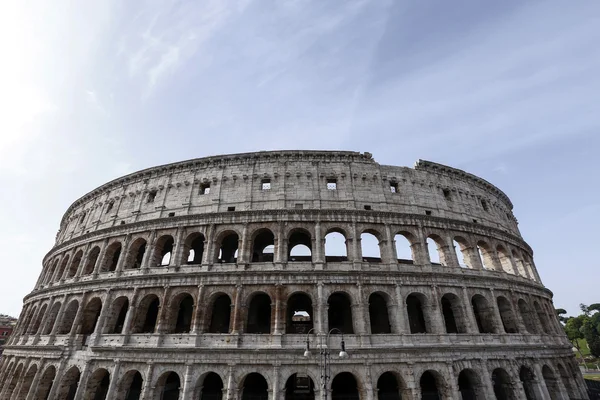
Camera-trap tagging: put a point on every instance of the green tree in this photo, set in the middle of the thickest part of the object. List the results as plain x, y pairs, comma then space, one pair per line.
574, 331
561, 313
591, 330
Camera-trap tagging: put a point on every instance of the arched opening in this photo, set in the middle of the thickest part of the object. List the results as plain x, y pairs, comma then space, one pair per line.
118, 314
163, 251
212, 387
183, 310
566, 379
344, 387
300, 246
299, 387
369, 244
68, 318
528, 380
404, 252
91, 260
168, 386
527, 316
469, 385
12, 383
435, 249
37, 320
97, 385
147, 315
28, 321
452, 310
68, 384
111, 257
52, 318
507, 316
228, 248
299, 315
430, 383
542, 317
416, 316
50, 271
259, 314
340, 313
263, 246
27, 381
221, 315
131, 386
502, 385
519, 263
91, 313
75, 264
388, 387
378, 314
460, 248
485, 255
551, 383
255, 387
194, 248
45, 383
484, 314
135, 257
505, 260
62, 268
336, 247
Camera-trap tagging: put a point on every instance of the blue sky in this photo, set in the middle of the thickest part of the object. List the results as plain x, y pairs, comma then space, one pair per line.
506, 90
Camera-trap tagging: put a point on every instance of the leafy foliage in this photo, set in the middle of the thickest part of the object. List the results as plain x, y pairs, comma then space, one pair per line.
584, 326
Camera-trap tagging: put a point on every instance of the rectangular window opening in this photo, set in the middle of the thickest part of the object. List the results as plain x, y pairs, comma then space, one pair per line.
265, 184
230, 208
474, 221
331, 184
151, 197
428, 212
299, 206
205, 188
484, 204
447, 195
109, 207
368, 208
171, 214
394, 187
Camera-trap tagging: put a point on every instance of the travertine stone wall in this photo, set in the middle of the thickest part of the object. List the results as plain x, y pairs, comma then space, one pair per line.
171, 281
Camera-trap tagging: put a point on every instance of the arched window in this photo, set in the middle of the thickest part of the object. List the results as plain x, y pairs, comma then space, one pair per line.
404, 251
416, 316
35, 324
378, 314
566, 380
543, 318
194, 248
211, 387
255, 387
111, 257
300, 246
182, 309
135, 256
118, 314
460, 248
51, 320
68, 384
470, 386
340, 313
528, 380
344, 387
97, 385
168, 386
388, 387
92, 258
228, 248
130, 387
75, 264
259, 314
50, 271
91, 313
263, 246
506, 314
68, 317
485, 255
527, 316
62, 268
435, 249
551, 383
336, 248
519, 263
502, 385
452, 310
45, 383
27, 381
370, 247
430, 383
505, 260
484, 314
299, 315
147, 315
299, 387
220, 315
12, 383
163, 251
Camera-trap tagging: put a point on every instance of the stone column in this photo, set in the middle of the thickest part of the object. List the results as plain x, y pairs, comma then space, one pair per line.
123, 256
321, 320
149, 253
486, 380
540, 383
83, 380
209, 246
403, 323
57, 379
471, 322
276, 311
231, 391
188, 385
474, 258
100, 260
177, 258
163, 312
279, 240
236, 323
114, 379
147, 389
433, 311
449, 253
319, 247
275, 388
243, 247
59, 317
198, 315
497, 316
130, 315
390, 248
75, 328
108, 299
36, 380
452, 382
7, 380
356, 249
359, 315
518, 317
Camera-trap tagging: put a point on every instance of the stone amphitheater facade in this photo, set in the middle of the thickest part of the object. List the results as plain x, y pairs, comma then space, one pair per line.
203, 279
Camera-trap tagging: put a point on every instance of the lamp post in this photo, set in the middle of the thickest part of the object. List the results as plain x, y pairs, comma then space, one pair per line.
325, 357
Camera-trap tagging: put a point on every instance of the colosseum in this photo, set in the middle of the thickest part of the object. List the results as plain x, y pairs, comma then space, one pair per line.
290, 275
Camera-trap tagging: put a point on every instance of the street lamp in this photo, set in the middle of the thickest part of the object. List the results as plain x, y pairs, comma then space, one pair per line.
325, 356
